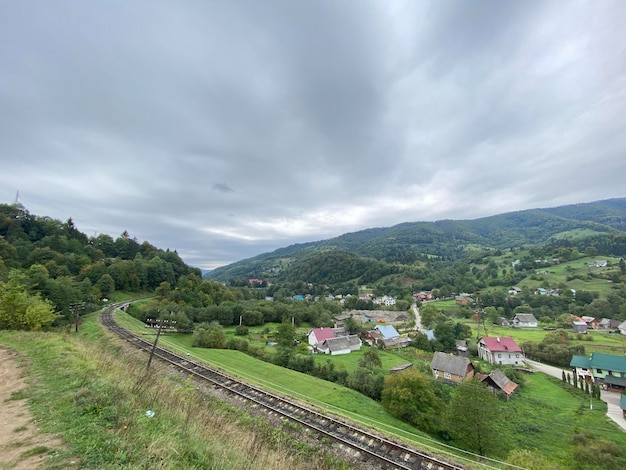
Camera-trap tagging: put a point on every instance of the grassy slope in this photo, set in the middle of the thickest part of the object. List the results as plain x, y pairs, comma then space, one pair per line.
94, 395
101, 413
546, 416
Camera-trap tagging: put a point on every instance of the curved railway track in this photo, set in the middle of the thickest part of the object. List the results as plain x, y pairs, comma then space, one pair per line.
370, 447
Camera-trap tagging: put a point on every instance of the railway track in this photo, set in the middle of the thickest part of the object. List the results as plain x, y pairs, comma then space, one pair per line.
366, 445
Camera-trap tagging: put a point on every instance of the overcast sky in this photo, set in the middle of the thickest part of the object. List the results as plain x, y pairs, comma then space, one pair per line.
228, 129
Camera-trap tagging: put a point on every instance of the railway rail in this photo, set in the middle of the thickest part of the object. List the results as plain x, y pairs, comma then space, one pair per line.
366, 445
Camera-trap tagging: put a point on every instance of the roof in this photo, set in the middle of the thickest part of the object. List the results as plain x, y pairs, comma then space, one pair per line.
613, 380
430, 334
579, 323
525, 317
387, 331
608, 362
401, 367
502, 381
457, 365
322, 334
342, 342
500, 343
397, 341
580, 361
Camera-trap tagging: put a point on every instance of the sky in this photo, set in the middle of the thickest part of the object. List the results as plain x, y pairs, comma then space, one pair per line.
227, 129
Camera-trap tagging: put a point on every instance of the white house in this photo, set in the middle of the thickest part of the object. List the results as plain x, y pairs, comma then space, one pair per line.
340, 345
524, 320
319, 335
500, 350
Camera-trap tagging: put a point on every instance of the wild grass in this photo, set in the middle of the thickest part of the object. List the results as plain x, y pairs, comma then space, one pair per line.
94, 396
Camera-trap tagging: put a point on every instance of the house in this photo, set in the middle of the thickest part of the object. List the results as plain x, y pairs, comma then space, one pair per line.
622, 328
515, 290
608, 324
387, 331
372, 337
464, 299
606, 369
397, 342
500, 350
524, 320
591, 322
497, 381
579, 327
451, 368
339, 345
319, 335
390, 338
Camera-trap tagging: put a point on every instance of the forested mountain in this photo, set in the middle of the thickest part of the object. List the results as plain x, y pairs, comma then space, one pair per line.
409, 243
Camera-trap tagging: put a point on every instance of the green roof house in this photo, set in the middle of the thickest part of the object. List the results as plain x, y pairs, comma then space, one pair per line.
607, 369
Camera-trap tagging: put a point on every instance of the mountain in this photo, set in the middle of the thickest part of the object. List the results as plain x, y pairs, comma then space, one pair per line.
409, 242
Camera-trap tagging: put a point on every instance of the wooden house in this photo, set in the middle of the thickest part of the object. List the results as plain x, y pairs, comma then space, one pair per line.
451, 368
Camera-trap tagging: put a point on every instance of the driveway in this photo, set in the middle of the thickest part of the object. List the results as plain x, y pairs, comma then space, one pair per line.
611, 398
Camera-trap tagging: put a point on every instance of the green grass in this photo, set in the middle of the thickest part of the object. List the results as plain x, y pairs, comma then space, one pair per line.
100, 413
88, 391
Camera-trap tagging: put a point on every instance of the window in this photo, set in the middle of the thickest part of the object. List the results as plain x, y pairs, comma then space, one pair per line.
599, 371
499, 355
517, 356
446, 375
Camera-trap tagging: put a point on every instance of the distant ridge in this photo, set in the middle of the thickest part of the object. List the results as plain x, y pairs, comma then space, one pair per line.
409, 241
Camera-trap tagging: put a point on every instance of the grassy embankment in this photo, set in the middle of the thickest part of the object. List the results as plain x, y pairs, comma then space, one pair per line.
547, 416
94, 395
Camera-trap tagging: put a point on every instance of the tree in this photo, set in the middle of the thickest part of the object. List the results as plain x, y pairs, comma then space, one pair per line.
430, 315
473, 418
20, 310
352, 326
106, 284
211, 336
370, 359
409, 396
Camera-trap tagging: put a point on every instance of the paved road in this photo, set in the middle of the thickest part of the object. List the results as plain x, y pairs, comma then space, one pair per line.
611, 398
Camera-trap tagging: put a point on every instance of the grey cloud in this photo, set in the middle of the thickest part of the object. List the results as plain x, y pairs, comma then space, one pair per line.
226, 129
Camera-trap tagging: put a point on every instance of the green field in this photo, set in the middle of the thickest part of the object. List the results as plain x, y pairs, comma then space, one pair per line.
548, 417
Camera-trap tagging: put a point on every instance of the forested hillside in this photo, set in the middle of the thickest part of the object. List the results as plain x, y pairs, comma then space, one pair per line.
408, 244
67, 269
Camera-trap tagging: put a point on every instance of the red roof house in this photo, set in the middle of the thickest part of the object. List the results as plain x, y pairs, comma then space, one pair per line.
319, 335
500, 350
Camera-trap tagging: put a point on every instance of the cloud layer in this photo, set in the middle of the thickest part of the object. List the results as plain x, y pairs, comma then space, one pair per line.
227, 129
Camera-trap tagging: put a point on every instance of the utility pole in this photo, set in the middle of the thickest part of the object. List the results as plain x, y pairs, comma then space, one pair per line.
155, 343
75, 309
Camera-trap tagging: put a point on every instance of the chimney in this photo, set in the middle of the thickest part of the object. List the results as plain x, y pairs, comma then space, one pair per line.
498, 339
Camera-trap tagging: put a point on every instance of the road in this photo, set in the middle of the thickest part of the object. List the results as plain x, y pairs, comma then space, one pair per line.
611, 398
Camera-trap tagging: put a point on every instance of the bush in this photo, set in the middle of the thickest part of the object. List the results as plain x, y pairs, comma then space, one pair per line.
242, 330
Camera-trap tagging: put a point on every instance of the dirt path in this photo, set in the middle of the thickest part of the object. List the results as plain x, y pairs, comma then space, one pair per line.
19, 436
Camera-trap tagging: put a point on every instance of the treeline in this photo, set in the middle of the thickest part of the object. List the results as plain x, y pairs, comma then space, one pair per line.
66, 267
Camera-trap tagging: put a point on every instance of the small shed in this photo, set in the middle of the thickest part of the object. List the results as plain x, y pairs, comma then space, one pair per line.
400, 368
580, 327
497, 381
